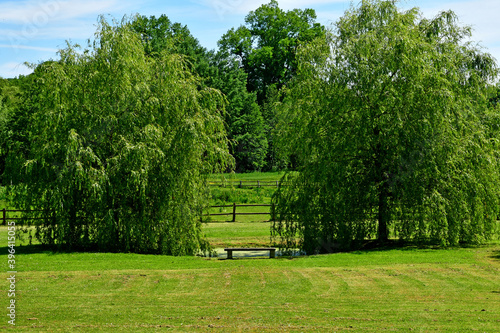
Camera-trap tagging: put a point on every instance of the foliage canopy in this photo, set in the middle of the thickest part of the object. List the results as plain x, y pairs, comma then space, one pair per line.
390, 122
267, 45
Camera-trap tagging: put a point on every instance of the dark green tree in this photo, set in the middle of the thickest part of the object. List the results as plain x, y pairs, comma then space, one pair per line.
246, 127
267, 45
4, 117
13, 121
160, 35
495, 95
266, 48
120, 144
390, 121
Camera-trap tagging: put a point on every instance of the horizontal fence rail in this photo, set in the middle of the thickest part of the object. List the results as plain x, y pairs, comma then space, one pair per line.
234, 213
6, 218
247, 183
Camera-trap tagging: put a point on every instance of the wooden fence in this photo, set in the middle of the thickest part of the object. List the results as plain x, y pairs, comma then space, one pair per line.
234, 213
5, 215
247, 183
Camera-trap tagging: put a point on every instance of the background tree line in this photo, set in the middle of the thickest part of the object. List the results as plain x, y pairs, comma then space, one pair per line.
253, 62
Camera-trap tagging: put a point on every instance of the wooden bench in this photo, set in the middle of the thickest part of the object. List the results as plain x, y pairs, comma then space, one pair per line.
272, 250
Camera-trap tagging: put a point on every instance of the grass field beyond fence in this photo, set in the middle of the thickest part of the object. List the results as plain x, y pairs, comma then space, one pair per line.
226, 191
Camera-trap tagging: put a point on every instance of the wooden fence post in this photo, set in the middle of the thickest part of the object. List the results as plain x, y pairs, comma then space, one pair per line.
234, 212
4, 216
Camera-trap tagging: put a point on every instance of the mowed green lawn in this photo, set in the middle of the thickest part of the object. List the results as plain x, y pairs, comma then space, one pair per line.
239, 234
422, 290
409, 289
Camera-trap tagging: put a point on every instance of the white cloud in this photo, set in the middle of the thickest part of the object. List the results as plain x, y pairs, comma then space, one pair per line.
291, 4
24, 21
329, 17
26, 47
47, 11
12, 69
243, 7
482, 15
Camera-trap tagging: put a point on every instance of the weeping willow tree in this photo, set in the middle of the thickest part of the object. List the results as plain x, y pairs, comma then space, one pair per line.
119, 146
389, 120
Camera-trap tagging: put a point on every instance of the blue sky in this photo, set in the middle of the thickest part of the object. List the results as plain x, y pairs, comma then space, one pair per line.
33, 30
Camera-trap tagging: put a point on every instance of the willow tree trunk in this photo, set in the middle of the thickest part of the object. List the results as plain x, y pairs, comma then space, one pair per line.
383, 192
383, 212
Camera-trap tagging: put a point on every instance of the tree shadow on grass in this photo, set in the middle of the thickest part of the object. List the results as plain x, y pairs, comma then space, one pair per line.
390, 245
28, 249
496, 255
